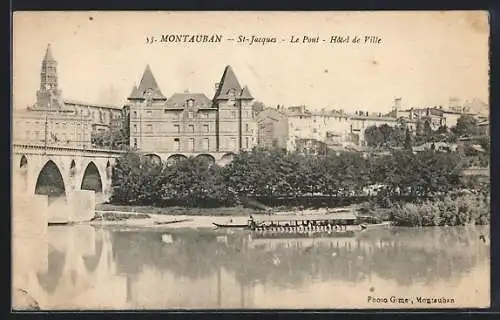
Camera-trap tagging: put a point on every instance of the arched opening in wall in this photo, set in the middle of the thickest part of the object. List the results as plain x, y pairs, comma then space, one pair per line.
226, 159
72, 169
153, 158
109, 170
50, 182
23, 170
23, 164
92, 179
205, 159
175, 158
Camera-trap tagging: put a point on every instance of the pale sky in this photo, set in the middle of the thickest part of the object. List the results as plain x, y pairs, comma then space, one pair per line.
425, 58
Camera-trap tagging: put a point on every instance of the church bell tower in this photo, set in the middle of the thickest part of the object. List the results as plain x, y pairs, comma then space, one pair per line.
49, 93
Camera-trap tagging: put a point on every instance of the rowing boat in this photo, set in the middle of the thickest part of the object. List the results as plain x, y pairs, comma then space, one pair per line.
237, 226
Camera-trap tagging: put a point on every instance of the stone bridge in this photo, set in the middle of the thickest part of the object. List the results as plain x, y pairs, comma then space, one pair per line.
58, 171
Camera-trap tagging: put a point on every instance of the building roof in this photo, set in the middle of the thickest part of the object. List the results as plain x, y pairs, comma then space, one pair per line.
134, 94
148, 82
179, 100
227, 83
270, 113
107, 106
245, 94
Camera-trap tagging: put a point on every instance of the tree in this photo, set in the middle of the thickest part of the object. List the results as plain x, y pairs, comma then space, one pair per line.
427, 129
116, 139
466, 126
408, 139
258, 107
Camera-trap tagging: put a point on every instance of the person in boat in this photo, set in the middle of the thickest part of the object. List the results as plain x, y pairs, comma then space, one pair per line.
251, 222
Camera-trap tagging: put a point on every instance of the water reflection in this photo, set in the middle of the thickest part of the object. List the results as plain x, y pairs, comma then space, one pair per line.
213, 270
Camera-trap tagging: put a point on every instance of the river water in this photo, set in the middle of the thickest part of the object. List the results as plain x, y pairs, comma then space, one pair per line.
86, 267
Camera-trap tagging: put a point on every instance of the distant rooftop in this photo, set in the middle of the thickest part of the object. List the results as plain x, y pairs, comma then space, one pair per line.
75, 102
179, 100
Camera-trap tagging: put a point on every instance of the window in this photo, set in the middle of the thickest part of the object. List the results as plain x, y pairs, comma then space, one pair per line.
233, 114
191, 128
135, 128
190, 115
205, 128
247, 142
177, 128
177, 145
150, 128
246, 127
135, 113
315, 130
149, 112
191, 144
232, 144
135, 142
206, 144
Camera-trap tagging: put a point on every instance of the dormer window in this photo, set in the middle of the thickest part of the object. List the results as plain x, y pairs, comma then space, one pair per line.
190, 103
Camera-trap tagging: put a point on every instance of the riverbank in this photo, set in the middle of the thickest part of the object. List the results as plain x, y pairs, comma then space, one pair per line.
151, 220
181, 211
179, 217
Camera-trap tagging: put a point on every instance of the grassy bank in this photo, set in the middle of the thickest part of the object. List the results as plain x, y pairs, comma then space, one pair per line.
461, 211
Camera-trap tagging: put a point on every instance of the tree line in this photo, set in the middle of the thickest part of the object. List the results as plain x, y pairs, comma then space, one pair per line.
272, 174
401, 136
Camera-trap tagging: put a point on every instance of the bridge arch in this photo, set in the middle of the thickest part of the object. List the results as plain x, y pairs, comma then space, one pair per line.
153, 157
206, 158
226, 158
92, 179
50, 181
175, 158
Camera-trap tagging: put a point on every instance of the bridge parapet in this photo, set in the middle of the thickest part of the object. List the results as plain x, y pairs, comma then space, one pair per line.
58, 150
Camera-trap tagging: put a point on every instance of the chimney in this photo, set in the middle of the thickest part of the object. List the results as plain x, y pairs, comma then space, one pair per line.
217, 84
397, 104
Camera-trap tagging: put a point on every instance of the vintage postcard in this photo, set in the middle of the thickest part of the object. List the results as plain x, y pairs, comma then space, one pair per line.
250, 160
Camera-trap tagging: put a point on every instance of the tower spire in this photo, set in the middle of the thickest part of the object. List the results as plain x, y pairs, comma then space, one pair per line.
48, 54
148, 83
228, 83
48, 80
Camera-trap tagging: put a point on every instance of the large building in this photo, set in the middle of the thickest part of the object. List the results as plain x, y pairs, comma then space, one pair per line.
54, 120
51, 128
272, 128
191, 123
